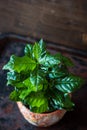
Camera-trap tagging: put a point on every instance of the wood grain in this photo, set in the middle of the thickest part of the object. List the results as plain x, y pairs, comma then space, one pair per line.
63, 22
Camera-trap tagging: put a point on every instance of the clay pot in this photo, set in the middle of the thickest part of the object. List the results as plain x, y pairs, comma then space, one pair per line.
41, 120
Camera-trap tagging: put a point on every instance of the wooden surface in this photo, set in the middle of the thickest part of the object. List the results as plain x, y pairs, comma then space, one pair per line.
61, 21
10, 116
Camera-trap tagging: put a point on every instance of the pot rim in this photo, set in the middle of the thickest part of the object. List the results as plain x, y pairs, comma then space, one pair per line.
47, 113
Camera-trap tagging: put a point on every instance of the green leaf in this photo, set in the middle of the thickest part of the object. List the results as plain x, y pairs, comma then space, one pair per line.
36, 51
16, 79
32, 87
37, 77
29, 88
42, 48
24, 94
69, 84
41, 42
19, 64
41, 80
29, 85
60, 100
58, 72
49, 60
18, 85
65, 60
14, 95
13, 76
43, 108
56, 99
39, 50
67, 103
28, 50
38, 102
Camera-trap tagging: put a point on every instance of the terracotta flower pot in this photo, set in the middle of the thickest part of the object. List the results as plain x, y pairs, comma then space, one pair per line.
41, 120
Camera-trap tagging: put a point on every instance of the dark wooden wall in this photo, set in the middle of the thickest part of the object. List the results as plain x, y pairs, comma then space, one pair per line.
59, 21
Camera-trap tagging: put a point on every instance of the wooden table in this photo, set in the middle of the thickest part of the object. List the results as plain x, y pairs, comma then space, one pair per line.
10, 116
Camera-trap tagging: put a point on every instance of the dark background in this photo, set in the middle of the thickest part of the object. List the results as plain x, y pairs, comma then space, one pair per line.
59, 21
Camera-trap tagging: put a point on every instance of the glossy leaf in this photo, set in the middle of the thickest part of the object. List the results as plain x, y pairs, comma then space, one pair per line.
60, 100
41, 80
36, 51
31, 86
69, 84
58, 72
16, 79
38, 100
19, 64
42, 48
38, 77
39, 50
49, 61
28, 50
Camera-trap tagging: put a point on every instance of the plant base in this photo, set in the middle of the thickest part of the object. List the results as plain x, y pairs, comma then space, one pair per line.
41, 120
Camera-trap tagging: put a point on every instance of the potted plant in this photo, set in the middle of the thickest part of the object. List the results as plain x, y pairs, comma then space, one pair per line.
42, 84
